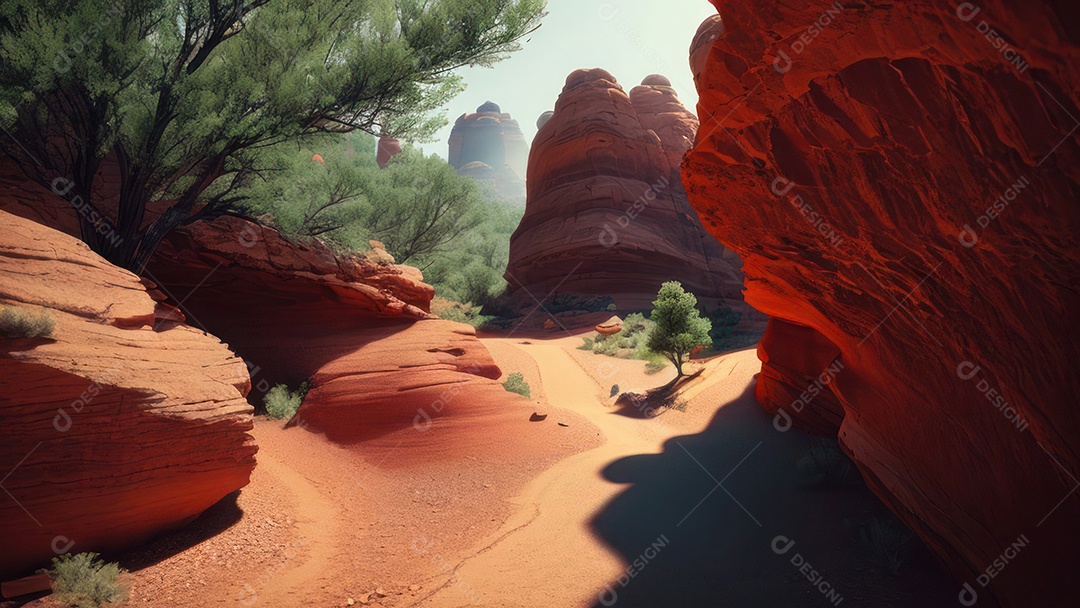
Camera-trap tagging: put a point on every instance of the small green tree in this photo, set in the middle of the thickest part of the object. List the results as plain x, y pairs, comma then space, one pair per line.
677, 325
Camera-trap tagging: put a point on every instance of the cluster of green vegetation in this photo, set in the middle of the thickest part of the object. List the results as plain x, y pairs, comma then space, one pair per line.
16, 322
193, 100
281, 402
84, 581
426, 215
515, 383
573, 302
629, 343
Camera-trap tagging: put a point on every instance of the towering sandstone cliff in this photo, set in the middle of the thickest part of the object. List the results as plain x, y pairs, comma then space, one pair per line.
901, 182
607, 214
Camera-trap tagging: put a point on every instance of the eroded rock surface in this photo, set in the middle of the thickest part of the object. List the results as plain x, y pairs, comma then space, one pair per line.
905, 188
606, 213
121, 424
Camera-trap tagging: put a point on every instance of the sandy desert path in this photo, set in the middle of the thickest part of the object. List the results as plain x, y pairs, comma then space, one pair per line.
547, 545
308, 564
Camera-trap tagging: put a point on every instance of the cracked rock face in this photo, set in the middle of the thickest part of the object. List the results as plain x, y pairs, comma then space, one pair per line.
606, 212
902, 189
123, 423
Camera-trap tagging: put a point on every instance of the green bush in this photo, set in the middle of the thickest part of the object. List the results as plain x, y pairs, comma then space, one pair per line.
282, 403
655, 367
458, 312
578, 303
612, 308
887, 540
515, 383
84, 581
22, 323
825, 464
587, 344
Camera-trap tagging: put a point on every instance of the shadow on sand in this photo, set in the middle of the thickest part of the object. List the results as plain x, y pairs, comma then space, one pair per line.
698, 522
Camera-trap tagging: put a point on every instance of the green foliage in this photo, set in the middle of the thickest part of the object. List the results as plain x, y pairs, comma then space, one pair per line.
190, 94
886, 539
18, 322
84, 581
460, 313
677, 325
655, 367
825, 464
573, 302
611, 307
629, 343
724, 320
424, 213
281, 402
515, 383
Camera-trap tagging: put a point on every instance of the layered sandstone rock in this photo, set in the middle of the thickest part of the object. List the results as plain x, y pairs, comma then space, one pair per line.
356, 328
121, 424
607, 214
387, 148
493, 139
902, 191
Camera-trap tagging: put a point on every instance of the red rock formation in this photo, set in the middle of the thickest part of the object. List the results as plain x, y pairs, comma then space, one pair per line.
388, 148
607, 214
494, 139
905, 187
357, 328
610, 327
123, 423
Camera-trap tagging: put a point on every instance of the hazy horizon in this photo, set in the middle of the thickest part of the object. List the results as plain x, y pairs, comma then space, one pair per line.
629, 39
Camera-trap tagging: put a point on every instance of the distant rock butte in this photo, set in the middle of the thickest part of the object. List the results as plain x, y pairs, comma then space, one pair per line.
125, 423
853, 175
493, 139
607, 214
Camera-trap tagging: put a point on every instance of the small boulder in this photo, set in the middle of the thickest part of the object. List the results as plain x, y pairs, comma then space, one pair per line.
610, 327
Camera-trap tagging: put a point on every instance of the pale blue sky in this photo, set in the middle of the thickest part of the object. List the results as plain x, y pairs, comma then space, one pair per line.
629, 38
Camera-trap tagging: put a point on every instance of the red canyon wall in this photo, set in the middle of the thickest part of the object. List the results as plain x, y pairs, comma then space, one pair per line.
901, 182
121, 424
606, 212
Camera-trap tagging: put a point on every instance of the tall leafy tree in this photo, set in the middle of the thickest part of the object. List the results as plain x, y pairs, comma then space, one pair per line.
678, 327
184, 96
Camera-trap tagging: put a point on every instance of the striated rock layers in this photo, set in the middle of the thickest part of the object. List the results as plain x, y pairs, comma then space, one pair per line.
119, 425
489, 146
901, 183
607, 214
357, 328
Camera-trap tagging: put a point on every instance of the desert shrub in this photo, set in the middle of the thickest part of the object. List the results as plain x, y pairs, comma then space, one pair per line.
84, 581
825, 464
614, 390
458, 312
655, 367
587, 344
629, 343
281, 402
612, 308
18, 322
886, 539
578, 303
515, 383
